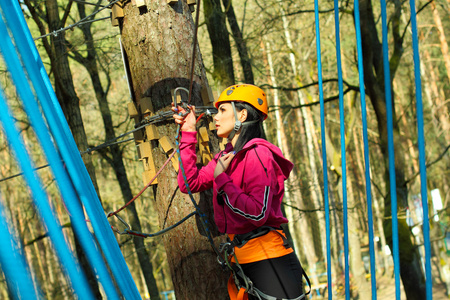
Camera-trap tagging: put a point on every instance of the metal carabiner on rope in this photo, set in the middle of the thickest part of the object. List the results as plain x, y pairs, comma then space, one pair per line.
184, 105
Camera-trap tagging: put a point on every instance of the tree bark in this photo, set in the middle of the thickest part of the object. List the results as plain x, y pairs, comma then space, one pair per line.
157, 39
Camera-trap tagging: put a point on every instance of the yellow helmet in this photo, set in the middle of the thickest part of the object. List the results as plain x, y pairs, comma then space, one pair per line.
248, 93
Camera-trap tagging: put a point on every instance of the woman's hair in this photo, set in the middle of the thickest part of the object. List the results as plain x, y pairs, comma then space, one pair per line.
250, 131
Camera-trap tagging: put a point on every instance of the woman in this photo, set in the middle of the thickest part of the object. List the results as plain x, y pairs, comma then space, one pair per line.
248, 185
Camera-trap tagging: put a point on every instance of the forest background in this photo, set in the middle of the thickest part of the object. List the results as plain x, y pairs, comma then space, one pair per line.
272, 44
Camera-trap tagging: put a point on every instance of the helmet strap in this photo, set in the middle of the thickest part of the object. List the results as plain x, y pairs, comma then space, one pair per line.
238, 124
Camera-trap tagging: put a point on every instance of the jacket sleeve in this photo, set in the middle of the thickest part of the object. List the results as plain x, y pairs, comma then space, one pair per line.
254, 200
198, 179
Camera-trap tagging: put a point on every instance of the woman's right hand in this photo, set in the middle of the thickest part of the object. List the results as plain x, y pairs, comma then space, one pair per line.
187, 121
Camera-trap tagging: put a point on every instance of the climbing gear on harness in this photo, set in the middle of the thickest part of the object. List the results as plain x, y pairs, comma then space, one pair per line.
239, 284
247, 93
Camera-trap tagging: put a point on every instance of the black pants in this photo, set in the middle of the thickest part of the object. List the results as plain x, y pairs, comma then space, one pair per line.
279, 277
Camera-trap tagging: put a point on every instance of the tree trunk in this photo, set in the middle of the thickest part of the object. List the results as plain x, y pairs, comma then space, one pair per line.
218, 34
240, 42
114, 155
157, 39
410, 266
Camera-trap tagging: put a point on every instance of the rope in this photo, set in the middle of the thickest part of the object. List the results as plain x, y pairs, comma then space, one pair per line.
13, 263
366, 150
391, 154
343, 152
66, 257
81, 22
146, 235
191, 84
148, 121
421, 145
74, 181
324, 149
203, 220
140, 193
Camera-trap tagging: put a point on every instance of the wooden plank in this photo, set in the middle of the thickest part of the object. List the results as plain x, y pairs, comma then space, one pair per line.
166, 144
146, 106
172, 2
114, 21
132, 111
191, 2
149, 175
205, 153
152, 132
212, 125
138, 135
117, 11
222, 143
203, 135
145, 150
140, 3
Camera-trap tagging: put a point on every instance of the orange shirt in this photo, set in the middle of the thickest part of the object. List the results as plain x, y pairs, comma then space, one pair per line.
264, 247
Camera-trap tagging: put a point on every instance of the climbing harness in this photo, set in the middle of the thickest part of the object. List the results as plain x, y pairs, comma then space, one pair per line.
239, 283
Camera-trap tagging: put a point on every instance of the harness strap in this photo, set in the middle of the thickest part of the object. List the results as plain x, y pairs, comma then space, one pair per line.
240, 240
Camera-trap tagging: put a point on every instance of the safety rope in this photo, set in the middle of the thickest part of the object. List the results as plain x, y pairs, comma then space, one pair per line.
367, 177
391, 154
74, 181
421, 146
129, 231
202, 216
324, 149
343, 145
148, 184
69, 263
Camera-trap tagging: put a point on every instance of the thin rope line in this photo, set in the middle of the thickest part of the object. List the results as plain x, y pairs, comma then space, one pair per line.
343, 152
366, 151
421, 146
391, 151
165, 230
140, 193
324, 149
201, 215
191, 84
80, 22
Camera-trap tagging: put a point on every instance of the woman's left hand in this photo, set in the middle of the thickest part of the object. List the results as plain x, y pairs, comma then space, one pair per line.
223, 163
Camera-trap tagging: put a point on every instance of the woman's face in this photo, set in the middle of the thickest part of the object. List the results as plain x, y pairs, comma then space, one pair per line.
225, 119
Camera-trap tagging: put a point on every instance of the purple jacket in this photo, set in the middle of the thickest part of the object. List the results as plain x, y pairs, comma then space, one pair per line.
249, 194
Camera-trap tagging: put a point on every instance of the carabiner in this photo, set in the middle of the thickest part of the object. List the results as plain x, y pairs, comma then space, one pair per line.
182, 104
